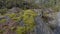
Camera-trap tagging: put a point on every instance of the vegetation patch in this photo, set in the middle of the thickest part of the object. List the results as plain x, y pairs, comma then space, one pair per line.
28, 18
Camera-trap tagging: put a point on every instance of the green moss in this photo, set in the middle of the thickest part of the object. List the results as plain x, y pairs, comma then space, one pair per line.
3, 21
15, 16
20, 30
29, 12
12, 15
1, 31
56, 8
28, 18
16, 19
3, 11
